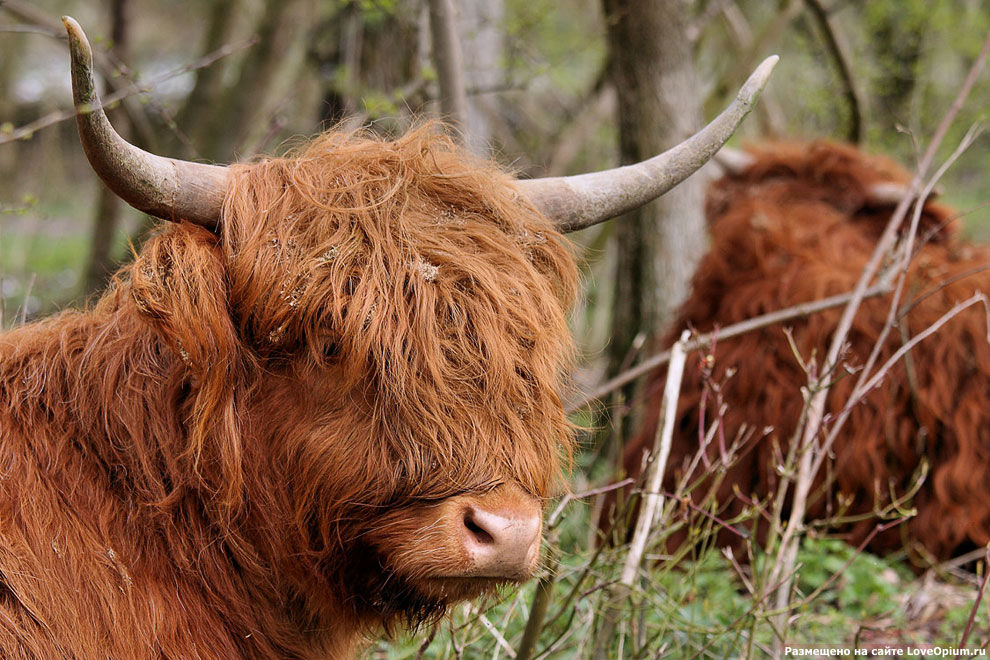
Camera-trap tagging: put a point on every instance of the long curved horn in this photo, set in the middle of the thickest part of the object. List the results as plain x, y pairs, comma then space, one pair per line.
163, 187
576, 202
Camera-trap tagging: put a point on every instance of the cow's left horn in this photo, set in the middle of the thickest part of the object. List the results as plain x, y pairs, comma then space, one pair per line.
162, 187
576, 202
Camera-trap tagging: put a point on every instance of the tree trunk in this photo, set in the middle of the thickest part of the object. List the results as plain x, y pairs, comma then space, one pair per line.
262, 75
197, 110
658, 246
100, 263
483, 37
449, 63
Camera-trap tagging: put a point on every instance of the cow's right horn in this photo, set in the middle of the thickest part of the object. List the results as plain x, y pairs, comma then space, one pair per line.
162, 187
576, 202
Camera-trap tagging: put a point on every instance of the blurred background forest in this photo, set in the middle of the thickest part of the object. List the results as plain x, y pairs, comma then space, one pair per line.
552, 87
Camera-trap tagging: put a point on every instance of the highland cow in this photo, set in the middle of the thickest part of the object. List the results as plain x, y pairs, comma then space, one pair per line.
797, 223
323, 402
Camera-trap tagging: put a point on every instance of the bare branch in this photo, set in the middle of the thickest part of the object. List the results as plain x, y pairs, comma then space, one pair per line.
780, 316
979, 598
28, 130
841, 59
819, 384
903, 350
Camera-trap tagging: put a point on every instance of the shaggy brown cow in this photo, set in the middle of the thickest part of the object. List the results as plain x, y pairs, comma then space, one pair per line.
798, 223
332, 407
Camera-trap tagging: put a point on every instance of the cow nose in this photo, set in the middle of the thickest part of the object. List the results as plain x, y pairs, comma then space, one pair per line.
501, 544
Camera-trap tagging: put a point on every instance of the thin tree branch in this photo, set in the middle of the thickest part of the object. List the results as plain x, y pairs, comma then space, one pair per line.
841, 59
903, 350
28, 130
819, 383
780, 316
979, 598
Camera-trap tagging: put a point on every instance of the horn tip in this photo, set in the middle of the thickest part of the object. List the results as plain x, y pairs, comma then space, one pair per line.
758, 79
78, 43
71, 26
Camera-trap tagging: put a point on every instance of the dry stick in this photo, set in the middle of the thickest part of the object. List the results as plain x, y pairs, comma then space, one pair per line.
490, 627
568, 498
30, 29
426, 643
819, 385
942, 320
979, 598
27, 298
935, 289
652, 498
57, 116
904, 261
658, 461
545, 586
757, 322
863, 385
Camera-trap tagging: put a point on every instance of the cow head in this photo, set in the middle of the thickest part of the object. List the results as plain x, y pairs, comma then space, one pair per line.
374, 338
863, 187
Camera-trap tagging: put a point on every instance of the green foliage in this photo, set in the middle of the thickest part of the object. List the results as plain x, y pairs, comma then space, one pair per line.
865, 585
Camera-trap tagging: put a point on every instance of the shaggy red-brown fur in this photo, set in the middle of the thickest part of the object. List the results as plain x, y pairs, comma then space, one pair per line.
798, 226
232, 455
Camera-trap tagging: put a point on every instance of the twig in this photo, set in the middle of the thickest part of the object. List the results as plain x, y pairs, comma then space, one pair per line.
426, 643
852, 557
57, 116
31, 29
908, 306
942, 320
701, 21
903, 263
715, 519
756, 323
113, 70
568, 498
820, 386
538, 611
760, 44
961, 560
27, 298
979, 598
841, 59
497, 635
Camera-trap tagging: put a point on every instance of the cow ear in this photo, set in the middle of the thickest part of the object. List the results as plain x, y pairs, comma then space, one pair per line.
179, 285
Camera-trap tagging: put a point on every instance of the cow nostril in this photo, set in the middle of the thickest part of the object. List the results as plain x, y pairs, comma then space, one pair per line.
477, 531
500, 537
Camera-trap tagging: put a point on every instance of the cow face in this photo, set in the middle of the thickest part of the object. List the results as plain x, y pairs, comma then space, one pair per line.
400, 311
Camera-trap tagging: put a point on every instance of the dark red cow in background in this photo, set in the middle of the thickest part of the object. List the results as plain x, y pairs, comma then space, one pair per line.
324, 402
795, 223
